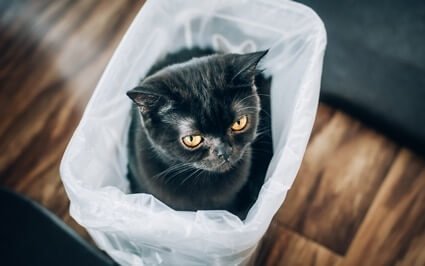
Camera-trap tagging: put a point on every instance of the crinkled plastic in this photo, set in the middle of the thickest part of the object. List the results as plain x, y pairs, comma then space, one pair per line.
138, 229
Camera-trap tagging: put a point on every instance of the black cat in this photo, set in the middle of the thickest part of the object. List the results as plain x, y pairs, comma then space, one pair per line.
200, 135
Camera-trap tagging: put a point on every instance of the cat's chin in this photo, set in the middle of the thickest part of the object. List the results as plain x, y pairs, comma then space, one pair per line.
222, 168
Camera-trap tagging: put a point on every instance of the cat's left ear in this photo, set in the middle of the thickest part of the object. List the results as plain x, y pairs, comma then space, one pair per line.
146, 98
245, 65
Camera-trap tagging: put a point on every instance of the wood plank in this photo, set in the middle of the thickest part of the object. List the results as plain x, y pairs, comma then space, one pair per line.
67, 87
321, 147
57, 83
76, 227
415, 254
341, 172
324, 114
393, 230
52, 57
281, 246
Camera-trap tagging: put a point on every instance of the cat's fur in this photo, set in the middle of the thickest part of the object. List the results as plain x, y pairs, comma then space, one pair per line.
197, 91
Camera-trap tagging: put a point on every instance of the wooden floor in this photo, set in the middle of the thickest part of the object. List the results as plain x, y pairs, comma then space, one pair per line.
359, 198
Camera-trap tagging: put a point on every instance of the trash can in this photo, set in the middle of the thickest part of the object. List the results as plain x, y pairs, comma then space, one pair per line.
138, 229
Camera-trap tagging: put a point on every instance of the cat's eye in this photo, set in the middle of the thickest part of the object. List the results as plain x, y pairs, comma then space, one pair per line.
192, 141
240, 124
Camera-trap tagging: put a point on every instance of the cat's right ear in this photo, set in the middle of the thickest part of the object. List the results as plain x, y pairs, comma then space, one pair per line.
145, 98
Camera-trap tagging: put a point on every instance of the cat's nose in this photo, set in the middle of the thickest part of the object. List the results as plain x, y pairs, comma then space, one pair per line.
223, 151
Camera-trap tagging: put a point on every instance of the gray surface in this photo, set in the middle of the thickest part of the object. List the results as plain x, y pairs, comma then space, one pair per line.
375, 64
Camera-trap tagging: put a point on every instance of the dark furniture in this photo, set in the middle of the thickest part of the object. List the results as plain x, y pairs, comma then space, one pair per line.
31, 235
374, 66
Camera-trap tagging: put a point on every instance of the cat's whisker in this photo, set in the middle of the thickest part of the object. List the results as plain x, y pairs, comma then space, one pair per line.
176, 174
183, 169
175, 167
249, 108
189, 176
199, 180
240, 102
269, 115
255, 109
262, 132
172, 168
249, 96
260, 137
246, 98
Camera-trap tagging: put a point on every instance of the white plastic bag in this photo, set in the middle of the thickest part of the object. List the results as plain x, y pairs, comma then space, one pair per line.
137, 229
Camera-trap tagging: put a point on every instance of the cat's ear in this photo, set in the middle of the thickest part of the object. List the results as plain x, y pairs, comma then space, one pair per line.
245, 65
146, 98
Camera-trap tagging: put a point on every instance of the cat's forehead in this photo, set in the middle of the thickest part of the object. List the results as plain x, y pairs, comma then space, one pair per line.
214, 118
199, 78
186, 124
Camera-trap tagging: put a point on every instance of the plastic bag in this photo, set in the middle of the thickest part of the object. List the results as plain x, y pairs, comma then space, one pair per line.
137, 229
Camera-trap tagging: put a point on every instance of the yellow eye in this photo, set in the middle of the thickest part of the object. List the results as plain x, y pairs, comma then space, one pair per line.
192, 141
240, 124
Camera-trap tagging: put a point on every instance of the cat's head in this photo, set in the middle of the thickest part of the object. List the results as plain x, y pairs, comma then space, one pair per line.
204, 112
